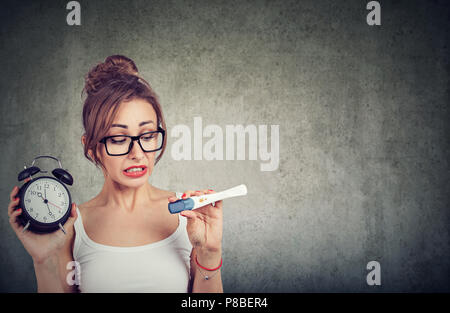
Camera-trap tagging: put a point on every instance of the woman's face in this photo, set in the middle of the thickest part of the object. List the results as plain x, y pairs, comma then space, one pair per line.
133, 118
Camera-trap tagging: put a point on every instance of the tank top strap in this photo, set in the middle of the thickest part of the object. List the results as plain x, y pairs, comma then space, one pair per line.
78, 226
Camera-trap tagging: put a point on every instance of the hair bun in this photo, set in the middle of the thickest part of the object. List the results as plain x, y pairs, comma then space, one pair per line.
114, 67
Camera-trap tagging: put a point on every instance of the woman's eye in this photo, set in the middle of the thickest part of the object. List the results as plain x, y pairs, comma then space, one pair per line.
117, 141
149, 137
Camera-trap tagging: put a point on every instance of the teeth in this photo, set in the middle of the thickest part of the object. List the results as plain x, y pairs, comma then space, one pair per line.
136, 169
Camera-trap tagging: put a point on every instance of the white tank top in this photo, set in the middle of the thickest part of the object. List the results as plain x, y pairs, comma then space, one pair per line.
162, 266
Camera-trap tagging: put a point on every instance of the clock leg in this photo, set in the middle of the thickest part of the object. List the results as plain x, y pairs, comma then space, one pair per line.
62, 228
26, 227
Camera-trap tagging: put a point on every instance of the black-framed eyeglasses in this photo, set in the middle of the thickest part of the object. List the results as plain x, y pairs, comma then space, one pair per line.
122, 144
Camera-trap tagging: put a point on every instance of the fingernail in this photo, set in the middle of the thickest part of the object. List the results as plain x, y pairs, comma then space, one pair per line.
210, 190
183, 196
19, 210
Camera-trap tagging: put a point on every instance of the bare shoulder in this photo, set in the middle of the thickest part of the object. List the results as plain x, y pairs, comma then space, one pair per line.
84, 207
162, 194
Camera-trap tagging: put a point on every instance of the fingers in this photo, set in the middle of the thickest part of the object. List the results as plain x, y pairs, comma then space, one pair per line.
13, 193
73, 216
14, 215
185, 195
68, 225
218, 204
12, 205
13, 221
189, 214
14, 200
73, 212
190, 193
203, 192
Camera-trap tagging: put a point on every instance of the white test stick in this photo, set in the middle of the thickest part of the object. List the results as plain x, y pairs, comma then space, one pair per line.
196, 202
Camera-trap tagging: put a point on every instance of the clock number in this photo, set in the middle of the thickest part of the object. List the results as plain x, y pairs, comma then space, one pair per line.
30, 209
33, 192
39, 187
46, 186
45, 218
59, 194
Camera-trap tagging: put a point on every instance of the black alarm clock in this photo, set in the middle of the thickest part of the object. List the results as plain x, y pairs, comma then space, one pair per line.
45, 201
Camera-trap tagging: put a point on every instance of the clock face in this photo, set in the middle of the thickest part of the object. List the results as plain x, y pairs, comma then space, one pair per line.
46, 200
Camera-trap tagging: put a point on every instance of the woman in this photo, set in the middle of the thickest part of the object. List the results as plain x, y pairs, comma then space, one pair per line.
125, 239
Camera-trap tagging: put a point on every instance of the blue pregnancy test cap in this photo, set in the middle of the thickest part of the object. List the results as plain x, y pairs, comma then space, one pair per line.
181, 205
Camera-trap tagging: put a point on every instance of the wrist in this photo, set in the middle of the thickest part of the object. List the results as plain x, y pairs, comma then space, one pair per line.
215, 250
50, 260
209, 259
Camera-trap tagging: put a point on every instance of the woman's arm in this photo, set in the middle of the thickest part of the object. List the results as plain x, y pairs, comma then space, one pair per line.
214, 281
49, 252
52, 273
47, 275
204, 228
67, 265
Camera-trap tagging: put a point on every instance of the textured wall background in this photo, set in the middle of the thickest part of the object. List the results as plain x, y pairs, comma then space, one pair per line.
363, 114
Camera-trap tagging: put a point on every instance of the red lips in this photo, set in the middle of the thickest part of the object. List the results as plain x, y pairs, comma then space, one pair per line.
136, 174
136, 166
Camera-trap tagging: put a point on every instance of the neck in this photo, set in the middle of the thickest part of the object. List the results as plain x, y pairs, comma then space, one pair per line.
125, 198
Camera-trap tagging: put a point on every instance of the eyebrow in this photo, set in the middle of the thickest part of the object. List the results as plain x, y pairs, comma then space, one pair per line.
125, 126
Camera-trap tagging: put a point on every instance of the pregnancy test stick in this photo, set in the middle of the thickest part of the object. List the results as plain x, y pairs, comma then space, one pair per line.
196, 202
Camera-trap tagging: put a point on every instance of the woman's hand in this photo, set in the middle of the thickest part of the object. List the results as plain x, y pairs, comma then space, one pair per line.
41, 247
204, 227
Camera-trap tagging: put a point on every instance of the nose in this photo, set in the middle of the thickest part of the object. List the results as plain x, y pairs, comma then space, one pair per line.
136, 151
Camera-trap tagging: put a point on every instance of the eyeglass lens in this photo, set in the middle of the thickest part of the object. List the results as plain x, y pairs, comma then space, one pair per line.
121, 144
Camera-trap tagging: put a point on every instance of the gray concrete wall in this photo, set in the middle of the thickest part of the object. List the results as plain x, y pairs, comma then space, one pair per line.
363, 115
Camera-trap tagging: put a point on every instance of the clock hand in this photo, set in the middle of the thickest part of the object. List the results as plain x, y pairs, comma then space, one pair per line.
40, 195
54, 204
49, 212
45, 201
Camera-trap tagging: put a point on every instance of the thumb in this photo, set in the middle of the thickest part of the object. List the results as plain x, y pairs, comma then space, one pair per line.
189, 214
73, 215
